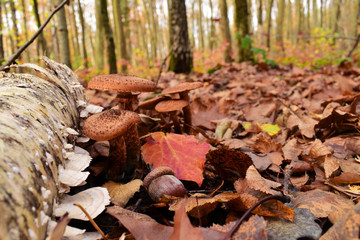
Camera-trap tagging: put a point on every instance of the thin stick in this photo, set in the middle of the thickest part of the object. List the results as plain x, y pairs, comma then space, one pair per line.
23, 47
280, 198
354, 47
91, 220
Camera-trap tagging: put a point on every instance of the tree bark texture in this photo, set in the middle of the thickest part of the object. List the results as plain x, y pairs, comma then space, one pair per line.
2, 53
279, 22
225, 30
120, 34
41, 42
110, 43
270, 4
181, 56
35, 115
242, 30
99, 38
64, 48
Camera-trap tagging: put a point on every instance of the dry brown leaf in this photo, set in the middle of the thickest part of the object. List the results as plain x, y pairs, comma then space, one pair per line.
257, 182
201, 206
292, 150
264, 144
330, 166
346, 177
121, 193
253, 229
322, 203
183, 230
347, 227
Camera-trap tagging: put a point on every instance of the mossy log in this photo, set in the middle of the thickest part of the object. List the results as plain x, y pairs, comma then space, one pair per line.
37, 113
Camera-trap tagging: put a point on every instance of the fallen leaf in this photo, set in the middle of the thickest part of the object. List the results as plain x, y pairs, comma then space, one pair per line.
257, 182
303, 227
230, 164
121, 193
322, 203
347, 227
271, 129
253, 229
184, 154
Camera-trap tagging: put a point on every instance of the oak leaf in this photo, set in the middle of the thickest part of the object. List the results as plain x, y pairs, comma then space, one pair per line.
184, 154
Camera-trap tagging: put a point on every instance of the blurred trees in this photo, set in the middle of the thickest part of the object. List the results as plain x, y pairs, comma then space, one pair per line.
140, 34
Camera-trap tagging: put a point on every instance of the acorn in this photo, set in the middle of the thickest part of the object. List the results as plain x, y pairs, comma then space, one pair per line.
161, 181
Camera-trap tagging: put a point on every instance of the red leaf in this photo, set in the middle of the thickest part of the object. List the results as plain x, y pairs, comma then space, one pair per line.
184, 154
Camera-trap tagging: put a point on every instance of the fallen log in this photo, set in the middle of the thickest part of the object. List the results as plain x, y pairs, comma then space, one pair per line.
38, 115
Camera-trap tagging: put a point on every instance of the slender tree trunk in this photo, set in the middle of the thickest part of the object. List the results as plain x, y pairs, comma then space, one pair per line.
225, 30
83, 40
315, 14
321, 14
298, 19
2, 54
14, 23
260, 22
356, 19
279, 22
121, 34
336, 19
289, 23
99, 38
154, 28
212, 28
41, 41
125, 11
242, 29
152, 43
193, 25
181, 56
8, 26
25, 29
110, 44
64, 48
268, 22
200, 26
75, 31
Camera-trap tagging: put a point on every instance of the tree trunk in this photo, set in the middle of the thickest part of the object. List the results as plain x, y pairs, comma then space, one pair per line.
321, 14
200, 25
298, 19
225, 30
41, 42
8, 25
64, 48
289, 22
279, 22
356, 19
181, 56
212, 28
315, 14
120, 34
35, 115
75, 31
268, 22
336, 19
27, 55
83, 40
99, 38
110, 44
2, 54
14, 23
242, 30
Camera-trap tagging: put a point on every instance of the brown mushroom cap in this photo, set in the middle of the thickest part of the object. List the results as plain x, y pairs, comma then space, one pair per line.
122, 83
170, 105
157, 172
109, 124
182, 87
151, 103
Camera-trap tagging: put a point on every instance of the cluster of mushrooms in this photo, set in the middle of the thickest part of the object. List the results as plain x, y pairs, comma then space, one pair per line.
119, 124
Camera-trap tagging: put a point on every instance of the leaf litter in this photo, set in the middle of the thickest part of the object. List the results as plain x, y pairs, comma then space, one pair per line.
256, 133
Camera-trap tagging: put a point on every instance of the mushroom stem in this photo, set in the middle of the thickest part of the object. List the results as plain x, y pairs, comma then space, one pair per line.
187, 111
174, 118
132, 143
117, 158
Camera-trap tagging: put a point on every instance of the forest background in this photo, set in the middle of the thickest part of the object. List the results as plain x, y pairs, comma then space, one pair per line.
94, 37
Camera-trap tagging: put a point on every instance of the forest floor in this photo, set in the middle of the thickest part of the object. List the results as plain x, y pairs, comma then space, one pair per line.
272, 131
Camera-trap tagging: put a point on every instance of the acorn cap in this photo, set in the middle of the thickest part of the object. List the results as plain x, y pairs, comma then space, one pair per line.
157, 172
151, 103
182, 87
109, 124
121, 83
171, 105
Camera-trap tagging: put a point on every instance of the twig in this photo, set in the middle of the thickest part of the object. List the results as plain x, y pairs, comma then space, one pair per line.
163, 64
23, 47
91, 220
277, 197
354, 47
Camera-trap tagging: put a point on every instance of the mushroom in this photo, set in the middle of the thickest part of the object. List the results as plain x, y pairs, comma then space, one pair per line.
119, 127
183, 90
125, 85
171, 106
